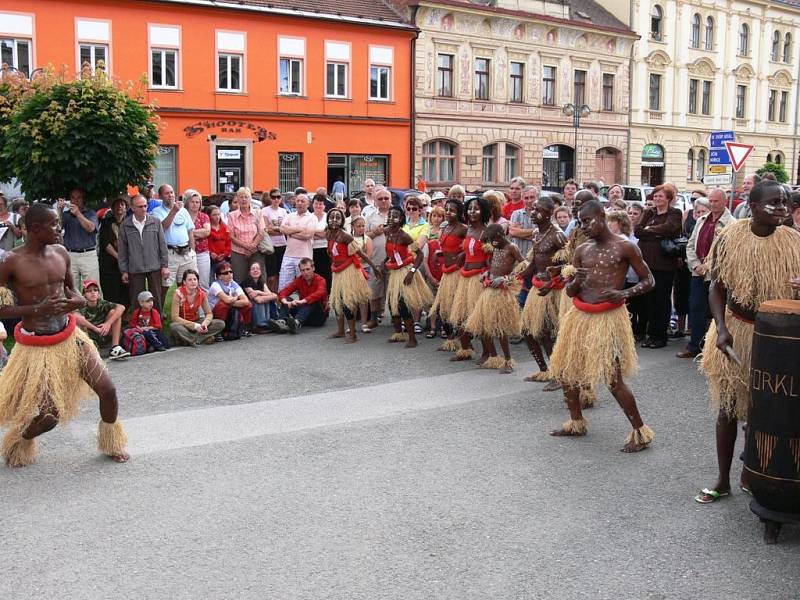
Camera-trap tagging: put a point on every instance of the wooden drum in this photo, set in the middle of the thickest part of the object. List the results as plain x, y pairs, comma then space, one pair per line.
772, 449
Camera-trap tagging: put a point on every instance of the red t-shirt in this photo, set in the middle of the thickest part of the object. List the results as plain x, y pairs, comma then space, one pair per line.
316, 291
146, 319
219, 241
201, 245
509, 207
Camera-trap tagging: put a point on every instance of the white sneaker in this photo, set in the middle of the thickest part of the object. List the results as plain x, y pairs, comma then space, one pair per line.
118, 352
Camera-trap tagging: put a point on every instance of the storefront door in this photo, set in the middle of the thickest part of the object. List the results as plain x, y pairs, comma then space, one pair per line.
230, 168
652, 164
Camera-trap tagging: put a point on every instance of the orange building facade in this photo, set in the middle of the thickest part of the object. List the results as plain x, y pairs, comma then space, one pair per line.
248, 94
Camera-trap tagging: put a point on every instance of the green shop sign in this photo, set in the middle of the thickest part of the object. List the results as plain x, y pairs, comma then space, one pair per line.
652, 152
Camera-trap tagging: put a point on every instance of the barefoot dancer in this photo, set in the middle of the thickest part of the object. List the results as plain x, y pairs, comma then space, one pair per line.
540, 314
349, 288
451, 241
595, 339
406, 291
751, 261
469, 288
496, 314
54, 363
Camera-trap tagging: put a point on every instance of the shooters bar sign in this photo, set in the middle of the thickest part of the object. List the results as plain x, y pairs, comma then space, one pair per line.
230, 126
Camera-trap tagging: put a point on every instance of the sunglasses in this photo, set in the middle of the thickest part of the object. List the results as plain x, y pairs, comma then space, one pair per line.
276, 197
226, 272
412, 209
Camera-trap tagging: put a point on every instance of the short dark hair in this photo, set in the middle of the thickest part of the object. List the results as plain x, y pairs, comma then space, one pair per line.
320, 198
399, 211
593, 207
306, 261
485, 212
39, 212
493, 230
591, 185
223, 266
769, 176
188, 272
459, 207
570, 181
547, 203
765, 189
162, 187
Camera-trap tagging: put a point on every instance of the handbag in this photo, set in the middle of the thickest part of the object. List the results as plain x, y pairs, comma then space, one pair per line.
674, 247
265, 245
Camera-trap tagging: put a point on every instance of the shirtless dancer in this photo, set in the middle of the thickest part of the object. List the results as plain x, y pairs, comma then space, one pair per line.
451, 241
595, 340
496, 314
53, 362
540, 314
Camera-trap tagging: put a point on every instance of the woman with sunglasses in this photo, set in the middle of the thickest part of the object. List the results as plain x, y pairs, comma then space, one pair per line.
349, 288
417, 227
273, 215
407, 292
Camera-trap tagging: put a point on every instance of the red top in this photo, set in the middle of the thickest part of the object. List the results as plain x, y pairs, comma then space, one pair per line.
190, 312
435, 260
142, 319
398, 254
451, 244
201, 245
341, 258
510, 207
705, 237
315, 291
219, 241
474, 251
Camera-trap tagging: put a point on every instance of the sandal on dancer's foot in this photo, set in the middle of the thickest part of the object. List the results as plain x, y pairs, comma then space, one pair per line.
707, 496
745, 489
552, 386
431, 334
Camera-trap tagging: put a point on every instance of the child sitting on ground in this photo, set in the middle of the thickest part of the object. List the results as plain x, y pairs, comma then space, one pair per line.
147, 322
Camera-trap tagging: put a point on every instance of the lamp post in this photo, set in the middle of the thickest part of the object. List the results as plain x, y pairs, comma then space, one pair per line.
577, 113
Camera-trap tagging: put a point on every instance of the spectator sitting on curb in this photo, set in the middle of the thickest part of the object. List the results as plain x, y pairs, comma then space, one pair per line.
262, 299
102, 320
226, 298
146, 319
187, 328
311, 308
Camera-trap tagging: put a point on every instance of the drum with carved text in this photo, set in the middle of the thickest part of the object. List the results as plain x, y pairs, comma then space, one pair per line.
772, 449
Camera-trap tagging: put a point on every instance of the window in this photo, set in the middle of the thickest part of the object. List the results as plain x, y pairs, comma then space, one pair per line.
439, 161
290, 172
444, 80
380, 72
693, 96
489, 171
549, 86
291, 57
291, 76
517, 81
16, 53
482, 78
166, 170
709, 33
94, 55
773, 100
778, 158
741, 99
787, 48
744, 40
783, 107
656, 19
655, 91
695, 38
700, 165
690, 165
337, 56
379, 83
705, 107
163, 68
230, 61
230, 72
579, 85
776, 46
608, 91
511, 162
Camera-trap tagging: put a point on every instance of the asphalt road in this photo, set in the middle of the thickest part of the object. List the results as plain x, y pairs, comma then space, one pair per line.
297, 467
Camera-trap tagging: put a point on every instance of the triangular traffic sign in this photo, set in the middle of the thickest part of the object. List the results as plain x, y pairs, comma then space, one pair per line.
738, 153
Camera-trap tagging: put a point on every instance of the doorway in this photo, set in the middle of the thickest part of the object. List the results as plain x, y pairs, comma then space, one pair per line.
337, 169
230, 171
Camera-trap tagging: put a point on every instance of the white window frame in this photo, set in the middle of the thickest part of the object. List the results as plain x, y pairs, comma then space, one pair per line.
164, 47
291, 80
376, 61
15, 41
230, 51
339, 61
94, 42
289, 55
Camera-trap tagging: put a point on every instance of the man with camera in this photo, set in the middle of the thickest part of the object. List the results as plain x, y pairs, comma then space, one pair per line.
79, 225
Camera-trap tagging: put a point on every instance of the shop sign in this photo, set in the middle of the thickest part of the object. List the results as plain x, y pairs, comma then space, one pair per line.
228, 154
653, 152
230, 126
550, 152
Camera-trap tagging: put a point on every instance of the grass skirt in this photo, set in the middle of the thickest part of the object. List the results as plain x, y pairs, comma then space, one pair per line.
468, 293
39, 378
417, 295
446, 295
496, 313
349, 289
590, 345
541, 313
728, 383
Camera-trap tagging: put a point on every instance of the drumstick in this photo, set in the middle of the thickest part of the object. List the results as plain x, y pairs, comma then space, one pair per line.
731, 354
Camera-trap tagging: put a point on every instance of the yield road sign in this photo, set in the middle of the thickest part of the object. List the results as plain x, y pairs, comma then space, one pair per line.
717, 179
738, 154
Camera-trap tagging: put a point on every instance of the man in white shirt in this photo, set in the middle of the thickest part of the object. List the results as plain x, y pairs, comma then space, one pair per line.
368, 201
178, 232
298, 227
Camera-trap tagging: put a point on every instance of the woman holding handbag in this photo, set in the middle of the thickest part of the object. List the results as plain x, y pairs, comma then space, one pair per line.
656, 231
247, 232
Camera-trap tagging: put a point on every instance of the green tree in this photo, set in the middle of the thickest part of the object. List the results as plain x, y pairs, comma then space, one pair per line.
90, 132
13, 87
779, 170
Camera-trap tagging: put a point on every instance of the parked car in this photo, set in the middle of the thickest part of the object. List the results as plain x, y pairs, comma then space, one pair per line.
633, 193
223, 200
398, 195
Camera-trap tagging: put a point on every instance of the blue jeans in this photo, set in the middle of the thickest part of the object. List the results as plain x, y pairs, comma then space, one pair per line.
699, 312
263, 312
312, 315
526, 288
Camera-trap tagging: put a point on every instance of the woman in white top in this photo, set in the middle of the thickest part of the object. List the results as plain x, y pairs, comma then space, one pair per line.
359, 227
322, 262
274, 214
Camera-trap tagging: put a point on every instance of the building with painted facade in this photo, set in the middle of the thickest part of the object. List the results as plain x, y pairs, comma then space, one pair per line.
285, 92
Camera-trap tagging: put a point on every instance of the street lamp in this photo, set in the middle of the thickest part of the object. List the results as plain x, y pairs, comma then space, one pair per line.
577, 113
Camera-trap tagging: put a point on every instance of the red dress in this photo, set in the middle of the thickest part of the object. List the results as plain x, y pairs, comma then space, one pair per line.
399, 255
473, 248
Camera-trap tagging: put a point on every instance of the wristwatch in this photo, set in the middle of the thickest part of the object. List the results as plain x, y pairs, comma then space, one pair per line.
413, 269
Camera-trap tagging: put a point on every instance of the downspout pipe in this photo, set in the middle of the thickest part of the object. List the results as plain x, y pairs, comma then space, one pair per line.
631, 73
413, 108
795, 158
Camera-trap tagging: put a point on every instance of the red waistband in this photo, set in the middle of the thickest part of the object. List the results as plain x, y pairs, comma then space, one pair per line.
451, 269
394, 266
341, 265
557, 283
29, 339
471, 272
595, 307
